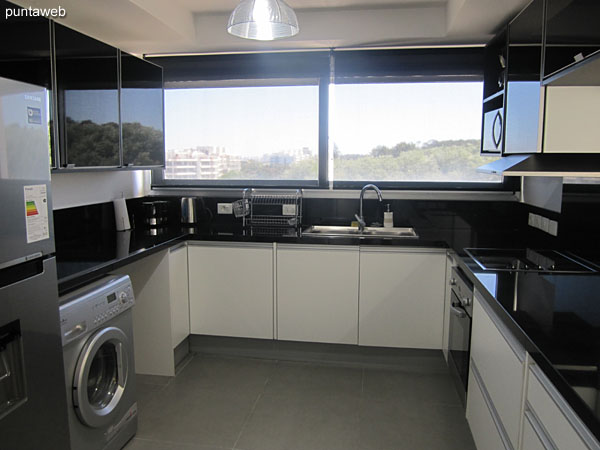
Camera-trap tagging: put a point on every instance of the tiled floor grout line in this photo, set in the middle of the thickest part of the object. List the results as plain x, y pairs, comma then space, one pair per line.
367, 418
251, 412
362, 382
239, 436
179, 444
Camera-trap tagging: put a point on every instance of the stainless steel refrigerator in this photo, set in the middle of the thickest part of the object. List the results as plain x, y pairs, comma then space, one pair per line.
33, 407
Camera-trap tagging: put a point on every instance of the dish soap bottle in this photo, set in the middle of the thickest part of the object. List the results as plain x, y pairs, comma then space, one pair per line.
388, 218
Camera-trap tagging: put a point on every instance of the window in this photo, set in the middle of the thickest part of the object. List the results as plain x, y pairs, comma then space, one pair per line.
242, 133
399, 118
408, 132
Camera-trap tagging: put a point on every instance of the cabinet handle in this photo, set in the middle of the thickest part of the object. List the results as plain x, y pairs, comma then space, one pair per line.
458, 312
497, 139
539, 430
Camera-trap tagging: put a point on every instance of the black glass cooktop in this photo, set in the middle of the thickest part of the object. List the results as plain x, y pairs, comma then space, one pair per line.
527, 260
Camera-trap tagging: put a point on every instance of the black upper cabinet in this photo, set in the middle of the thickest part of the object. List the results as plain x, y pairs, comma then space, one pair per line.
494, 75
25, 49
572, 33
523, 88
141, 112
25, 53
494, 81
88, 99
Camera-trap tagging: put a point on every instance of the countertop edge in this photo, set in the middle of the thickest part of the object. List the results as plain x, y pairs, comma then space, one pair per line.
78, 279
578, 406
72, 282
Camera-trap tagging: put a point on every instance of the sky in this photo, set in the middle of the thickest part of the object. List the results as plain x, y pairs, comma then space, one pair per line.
258, 120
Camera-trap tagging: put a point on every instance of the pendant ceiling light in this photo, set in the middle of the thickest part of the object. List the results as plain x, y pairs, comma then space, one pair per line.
263, 20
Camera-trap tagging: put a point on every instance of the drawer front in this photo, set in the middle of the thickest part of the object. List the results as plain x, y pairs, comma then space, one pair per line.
481, 421
554, 421
531, 437
500, 368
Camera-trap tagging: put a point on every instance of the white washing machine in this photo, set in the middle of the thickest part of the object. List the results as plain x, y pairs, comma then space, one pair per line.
97, 337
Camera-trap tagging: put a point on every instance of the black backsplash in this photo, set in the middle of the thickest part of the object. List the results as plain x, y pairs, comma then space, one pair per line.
459, 223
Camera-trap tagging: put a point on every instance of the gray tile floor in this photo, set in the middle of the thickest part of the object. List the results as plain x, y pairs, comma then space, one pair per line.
253, 404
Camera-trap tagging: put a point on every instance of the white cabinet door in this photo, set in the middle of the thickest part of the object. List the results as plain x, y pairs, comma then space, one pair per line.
500, 365
447, 303
231, 290
561, 425
571, 118
483, 423
533, 436
401, 299
152, 336
317, 293
180, 303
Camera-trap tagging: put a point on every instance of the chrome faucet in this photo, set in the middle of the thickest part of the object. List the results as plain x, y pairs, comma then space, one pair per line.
359, 216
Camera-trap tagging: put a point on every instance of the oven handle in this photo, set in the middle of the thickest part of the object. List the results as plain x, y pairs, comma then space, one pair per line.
461, 314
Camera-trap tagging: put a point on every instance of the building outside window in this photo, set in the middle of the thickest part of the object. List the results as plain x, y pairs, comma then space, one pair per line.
341, 119
242, 133
408, 132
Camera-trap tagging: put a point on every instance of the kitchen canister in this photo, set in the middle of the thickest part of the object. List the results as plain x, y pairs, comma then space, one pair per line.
121, 215
189, 210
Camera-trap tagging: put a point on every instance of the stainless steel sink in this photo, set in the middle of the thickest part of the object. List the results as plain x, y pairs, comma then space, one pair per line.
368, 232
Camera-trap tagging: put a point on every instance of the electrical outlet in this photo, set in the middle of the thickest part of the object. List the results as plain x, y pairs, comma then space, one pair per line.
288, 210
224, 208
544, 225
553, 228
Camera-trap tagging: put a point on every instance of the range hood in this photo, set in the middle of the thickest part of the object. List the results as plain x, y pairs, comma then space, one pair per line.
546, 165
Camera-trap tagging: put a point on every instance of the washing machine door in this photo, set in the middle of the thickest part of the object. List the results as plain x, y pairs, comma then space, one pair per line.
101, 377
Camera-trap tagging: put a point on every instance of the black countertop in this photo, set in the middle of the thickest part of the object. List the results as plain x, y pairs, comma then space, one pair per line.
557, 319
84, 258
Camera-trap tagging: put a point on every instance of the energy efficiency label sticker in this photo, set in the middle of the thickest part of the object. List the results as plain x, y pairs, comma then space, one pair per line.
36, 213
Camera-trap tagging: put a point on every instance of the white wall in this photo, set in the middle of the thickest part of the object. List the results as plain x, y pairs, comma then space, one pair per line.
85, 188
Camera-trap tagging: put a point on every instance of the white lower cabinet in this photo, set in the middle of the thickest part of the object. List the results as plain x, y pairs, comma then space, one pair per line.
555, 424
152, 319
534, 436
317, 293
511, 404
450, 263
231, 289
481, 416
180, 302
499, 360
401, 297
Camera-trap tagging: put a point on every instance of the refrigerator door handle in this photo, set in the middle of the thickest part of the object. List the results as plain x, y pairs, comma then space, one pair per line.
21, 272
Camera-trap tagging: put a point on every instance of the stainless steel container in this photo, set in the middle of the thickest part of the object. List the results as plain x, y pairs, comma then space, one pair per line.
189, 210
156, 213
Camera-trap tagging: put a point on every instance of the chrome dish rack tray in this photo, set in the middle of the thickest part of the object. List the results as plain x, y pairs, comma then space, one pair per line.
272, 213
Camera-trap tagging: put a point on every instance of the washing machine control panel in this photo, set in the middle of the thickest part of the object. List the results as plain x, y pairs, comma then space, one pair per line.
93, 306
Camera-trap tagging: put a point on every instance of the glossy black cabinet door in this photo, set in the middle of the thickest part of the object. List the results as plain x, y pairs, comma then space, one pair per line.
88, 99
494, 74
523, 87
572, 32
494, 81
25, 52
142, 112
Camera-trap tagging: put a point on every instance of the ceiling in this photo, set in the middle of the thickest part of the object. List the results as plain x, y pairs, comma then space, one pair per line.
198, 26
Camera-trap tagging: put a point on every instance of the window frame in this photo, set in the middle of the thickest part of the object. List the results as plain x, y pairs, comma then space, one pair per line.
354, 72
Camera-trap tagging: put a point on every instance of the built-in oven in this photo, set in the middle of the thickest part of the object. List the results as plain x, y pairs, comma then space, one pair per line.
459, 338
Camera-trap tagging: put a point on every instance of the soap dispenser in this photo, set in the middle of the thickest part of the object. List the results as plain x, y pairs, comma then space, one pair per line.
388, 218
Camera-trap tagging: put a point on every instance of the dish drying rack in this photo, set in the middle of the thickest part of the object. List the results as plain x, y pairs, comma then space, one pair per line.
270, 213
